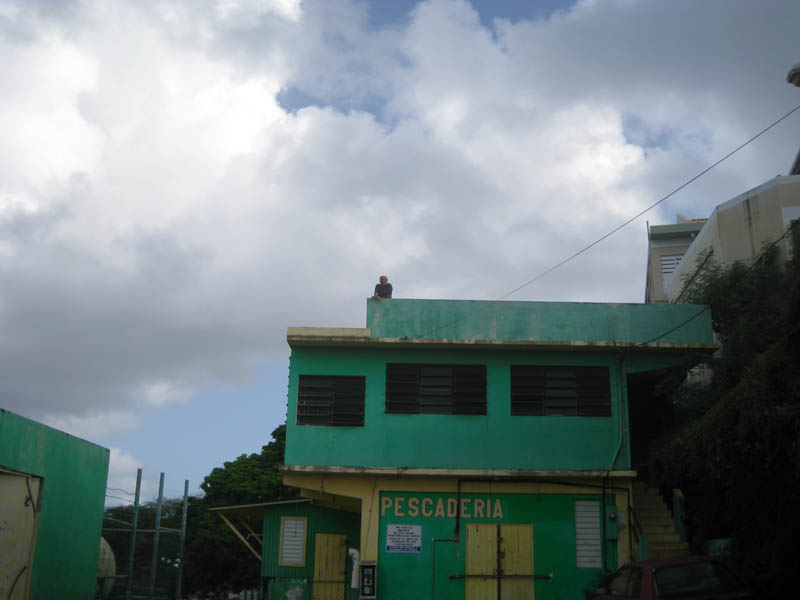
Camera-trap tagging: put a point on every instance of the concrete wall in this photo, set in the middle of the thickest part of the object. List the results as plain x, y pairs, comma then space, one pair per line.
740, 228
496, 440
73, 473
548, 506
540, 321
665, 240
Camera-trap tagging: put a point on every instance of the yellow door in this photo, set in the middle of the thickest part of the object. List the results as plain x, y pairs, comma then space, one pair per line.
516, 558
19, 518
499, 562
481, 560
330, 554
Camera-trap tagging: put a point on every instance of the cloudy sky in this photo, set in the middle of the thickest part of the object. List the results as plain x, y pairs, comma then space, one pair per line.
179, 182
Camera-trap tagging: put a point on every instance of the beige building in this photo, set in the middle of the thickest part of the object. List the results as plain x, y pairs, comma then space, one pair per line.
738, 229
666, 246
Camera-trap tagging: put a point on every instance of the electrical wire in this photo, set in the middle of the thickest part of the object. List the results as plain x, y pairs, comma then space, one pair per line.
652, 206
763, 253
631, 220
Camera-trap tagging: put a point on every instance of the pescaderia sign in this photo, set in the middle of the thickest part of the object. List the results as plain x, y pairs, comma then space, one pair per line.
467, 507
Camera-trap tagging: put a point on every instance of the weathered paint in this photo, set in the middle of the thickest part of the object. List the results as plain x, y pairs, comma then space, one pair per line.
330, 564
550, 521
404, 468
73, 473
297, 581
543, 321
496, 440
370, 491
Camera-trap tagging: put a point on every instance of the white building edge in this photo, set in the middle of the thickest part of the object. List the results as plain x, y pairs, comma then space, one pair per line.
740, 228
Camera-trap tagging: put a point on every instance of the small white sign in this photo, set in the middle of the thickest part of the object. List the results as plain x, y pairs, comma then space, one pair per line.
404, 539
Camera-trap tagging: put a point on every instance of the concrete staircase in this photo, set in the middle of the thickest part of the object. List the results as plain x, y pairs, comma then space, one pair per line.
657, 523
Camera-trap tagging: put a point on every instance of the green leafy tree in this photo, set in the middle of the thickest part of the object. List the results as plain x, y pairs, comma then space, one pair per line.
215, 560
739, 463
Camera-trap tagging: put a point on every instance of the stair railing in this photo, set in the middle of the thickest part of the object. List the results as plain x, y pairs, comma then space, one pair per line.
639, 536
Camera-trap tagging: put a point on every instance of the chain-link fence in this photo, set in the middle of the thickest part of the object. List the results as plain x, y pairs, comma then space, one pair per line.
142, 560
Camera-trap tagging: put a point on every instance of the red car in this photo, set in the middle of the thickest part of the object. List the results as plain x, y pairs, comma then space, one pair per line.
680, 577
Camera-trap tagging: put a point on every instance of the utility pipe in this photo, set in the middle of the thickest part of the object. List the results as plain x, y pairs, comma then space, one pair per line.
353, 553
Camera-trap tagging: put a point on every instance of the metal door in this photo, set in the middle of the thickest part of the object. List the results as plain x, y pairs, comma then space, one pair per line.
19, 517
330, 555
499, 562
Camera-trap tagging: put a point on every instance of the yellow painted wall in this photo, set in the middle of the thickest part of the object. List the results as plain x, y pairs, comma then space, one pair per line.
367, 489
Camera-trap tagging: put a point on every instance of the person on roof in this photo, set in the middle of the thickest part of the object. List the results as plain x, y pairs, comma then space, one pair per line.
383, 289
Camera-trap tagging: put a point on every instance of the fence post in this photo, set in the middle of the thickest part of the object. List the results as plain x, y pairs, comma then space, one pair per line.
182, 539
129, 583
157, 528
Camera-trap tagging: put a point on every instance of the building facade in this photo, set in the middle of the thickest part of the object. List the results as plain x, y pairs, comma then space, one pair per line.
737, 230
484, 446
52, 492
666, 245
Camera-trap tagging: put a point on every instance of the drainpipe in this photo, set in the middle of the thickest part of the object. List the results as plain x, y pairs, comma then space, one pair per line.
353, 553
620, 395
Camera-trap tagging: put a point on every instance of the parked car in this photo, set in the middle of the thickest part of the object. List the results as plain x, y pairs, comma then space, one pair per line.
680, 577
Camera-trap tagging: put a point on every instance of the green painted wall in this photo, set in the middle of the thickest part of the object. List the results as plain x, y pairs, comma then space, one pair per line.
545, 321
74, 475
297, 580
496, 440
402, 576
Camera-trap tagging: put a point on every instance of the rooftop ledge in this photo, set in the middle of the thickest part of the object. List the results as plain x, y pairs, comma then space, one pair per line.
463, 473
330, 336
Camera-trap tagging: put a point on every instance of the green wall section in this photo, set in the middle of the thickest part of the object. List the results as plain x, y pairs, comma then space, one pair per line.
496, 440
296, 581
402, 576
74, 474
542, 321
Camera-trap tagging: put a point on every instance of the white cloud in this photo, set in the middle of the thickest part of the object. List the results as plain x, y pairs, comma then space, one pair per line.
163, 219
121, 484
96, 426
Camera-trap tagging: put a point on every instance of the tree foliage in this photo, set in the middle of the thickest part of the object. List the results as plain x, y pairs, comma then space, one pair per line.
739, 463
116, 531
215, 561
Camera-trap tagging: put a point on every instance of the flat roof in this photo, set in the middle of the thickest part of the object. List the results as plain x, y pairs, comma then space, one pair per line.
658, 232
299, 340
408, 323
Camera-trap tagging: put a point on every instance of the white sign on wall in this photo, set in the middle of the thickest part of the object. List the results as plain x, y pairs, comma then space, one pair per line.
404, 539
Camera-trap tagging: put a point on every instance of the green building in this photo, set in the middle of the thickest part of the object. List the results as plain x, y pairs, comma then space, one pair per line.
487, 447
52, 492
303, 549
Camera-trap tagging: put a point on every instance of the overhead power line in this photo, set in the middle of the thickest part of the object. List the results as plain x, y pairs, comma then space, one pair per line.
757, 260
652, 206
632, 219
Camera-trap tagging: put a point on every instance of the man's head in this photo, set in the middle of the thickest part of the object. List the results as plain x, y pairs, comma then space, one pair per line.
384, 279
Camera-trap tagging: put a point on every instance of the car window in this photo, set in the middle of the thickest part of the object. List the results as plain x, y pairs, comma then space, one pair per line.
694, 578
